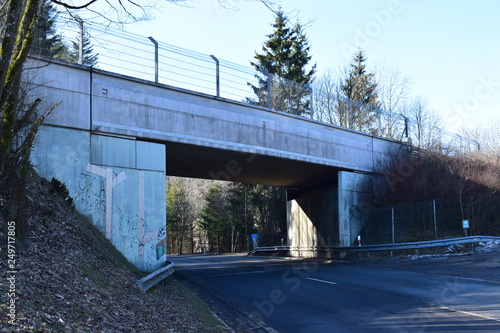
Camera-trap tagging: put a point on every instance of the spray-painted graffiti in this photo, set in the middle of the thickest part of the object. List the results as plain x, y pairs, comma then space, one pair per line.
96, 194
345, 233
161, 246
153, 242
91, 192
146, 239
110, 181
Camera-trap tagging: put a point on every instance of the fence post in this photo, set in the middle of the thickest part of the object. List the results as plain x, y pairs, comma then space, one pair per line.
156, 57
406, 134
379, 113
435, 218
311, 90
217, 75
393, 237
268, 90
80, 41
348, 114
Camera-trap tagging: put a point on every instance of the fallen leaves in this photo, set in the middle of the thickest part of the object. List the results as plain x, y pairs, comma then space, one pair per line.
66, 283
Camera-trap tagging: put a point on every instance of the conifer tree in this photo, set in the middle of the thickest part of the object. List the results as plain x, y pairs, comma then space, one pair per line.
46, 41
358, 104
215, 221
180, 217
283, 76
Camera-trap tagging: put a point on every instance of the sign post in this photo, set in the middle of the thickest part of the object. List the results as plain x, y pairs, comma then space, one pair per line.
465, 225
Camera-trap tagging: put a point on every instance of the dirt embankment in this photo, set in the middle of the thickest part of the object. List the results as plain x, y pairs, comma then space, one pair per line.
70, 279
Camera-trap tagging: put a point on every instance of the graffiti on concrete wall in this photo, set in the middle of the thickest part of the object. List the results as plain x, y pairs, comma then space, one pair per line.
110, 181
159, 236
96, 194
91, 192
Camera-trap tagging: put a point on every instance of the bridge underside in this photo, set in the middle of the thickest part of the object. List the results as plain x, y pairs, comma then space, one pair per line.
324, 202
210, 163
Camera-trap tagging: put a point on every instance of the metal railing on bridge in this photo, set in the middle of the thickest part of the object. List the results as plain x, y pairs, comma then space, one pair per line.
149, 59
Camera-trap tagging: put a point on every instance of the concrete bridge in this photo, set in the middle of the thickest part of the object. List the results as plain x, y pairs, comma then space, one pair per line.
113, 140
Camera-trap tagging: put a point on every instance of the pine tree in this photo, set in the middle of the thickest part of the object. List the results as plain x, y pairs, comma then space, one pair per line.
241, 214
46, 42
357, 107
88, 57
215, 221
179, 216
282, 75
269, 205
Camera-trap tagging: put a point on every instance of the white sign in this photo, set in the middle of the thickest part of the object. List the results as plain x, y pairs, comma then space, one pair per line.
465, 224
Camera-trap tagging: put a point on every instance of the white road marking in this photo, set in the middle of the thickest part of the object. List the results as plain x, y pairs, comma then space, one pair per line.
469, 278
239, 273
469, 313
329, 282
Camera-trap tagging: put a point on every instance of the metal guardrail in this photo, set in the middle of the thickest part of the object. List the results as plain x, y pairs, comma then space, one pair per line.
379, 247
157, 276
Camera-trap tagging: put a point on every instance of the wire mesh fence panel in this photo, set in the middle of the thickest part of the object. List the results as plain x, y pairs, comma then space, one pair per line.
378, 228
448, 218
146, 58
236, 81
433, 219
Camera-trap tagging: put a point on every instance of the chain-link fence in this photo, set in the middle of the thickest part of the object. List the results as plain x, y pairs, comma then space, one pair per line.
433, 219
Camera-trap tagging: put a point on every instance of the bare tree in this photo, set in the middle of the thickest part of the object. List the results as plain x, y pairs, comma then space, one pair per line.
486, 138
394, 89
424, 123
326, 94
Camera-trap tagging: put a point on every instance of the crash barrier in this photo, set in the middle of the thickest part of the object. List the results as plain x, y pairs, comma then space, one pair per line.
331, 250
157, 276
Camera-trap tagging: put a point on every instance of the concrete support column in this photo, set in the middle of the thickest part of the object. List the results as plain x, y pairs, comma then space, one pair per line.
354, 197
328, 217
312, 220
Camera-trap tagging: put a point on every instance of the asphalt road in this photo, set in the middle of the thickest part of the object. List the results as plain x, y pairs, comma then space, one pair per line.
252, 294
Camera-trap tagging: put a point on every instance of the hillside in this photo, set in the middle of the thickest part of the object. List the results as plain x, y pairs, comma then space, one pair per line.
70, 279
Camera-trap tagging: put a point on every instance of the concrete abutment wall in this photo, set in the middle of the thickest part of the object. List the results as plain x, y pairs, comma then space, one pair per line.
118, 183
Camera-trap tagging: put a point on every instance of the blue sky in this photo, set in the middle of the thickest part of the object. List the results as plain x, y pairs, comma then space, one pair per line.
449, 49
